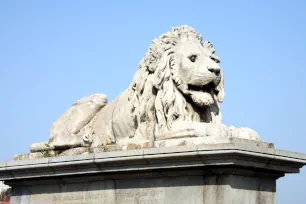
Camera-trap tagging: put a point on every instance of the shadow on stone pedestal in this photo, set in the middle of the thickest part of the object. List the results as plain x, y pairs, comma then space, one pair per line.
203, 174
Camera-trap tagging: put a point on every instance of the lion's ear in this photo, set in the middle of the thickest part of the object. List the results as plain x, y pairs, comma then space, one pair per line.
220, 89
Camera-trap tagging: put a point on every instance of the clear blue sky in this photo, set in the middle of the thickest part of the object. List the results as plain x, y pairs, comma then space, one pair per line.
55, 52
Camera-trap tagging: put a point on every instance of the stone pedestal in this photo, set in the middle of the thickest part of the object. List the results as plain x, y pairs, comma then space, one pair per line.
201, 174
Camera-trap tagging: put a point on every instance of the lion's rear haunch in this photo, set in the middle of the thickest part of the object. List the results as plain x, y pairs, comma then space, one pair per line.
178, 81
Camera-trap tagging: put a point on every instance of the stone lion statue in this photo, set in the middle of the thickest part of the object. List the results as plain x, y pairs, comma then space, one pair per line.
176, 89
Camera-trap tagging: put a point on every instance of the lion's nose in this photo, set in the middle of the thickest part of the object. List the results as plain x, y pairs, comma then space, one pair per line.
216, 71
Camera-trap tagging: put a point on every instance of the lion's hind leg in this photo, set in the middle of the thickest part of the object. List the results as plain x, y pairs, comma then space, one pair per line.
64, 131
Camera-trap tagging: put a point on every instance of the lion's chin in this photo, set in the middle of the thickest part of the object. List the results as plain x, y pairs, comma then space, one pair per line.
201, 99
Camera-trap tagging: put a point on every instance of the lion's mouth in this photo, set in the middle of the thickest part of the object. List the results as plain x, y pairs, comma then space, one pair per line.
202, 95
208, 88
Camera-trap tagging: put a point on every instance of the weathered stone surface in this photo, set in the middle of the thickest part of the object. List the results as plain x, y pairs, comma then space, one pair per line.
256, 155
175, 91
182, 139
216, 189
230, 173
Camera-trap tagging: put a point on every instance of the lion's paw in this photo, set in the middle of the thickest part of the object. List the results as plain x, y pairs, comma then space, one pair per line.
102, 140
244, 133
215, 130
106, 140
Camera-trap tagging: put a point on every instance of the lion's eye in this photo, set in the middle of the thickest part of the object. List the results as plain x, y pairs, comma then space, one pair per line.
193, 58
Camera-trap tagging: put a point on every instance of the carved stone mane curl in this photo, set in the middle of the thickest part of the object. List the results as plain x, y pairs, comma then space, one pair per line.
153, 92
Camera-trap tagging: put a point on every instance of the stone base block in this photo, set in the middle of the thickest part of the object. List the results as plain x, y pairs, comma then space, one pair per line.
231, 173
195, 189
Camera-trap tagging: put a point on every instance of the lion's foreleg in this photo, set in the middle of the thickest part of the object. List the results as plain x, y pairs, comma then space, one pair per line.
69, 141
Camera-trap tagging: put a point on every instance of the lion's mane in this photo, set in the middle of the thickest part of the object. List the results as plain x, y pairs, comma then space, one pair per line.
155, 99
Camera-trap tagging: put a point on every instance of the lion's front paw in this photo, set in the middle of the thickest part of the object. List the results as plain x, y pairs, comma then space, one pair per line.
218, 130
106, 140
102, 140
244, 133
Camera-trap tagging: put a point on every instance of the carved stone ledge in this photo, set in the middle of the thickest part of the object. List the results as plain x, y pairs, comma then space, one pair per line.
165, 141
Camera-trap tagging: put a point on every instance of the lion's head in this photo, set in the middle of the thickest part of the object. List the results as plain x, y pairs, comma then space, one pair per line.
179, 79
